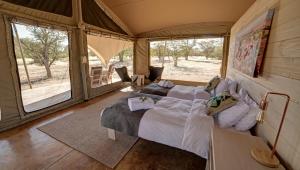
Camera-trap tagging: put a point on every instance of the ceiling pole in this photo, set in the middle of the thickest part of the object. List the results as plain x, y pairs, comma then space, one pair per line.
77, 14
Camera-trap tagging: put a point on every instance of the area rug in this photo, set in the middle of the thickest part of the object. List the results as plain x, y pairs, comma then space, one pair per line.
83, 132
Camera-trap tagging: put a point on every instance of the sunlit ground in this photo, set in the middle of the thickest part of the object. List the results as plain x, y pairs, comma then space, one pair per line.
197, 68
48, 92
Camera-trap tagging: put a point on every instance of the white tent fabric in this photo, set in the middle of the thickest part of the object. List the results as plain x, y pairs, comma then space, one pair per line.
106, 48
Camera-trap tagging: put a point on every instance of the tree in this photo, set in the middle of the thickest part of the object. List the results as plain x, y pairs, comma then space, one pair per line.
187, 48
127, 52
45, 46
159, 49
207, 47
218, 53
121, 56
175, 46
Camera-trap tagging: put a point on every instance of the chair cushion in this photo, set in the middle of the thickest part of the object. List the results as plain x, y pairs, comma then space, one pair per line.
123, 73
155, 72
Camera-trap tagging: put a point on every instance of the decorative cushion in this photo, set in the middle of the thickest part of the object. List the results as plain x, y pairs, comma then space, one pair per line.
249, 120
155, 73
232, 115
212, 84
123, 73
221, 87
219, 103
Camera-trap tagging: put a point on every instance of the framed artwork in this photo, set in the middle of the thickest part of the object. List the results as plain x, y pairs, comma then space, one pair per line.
251, 45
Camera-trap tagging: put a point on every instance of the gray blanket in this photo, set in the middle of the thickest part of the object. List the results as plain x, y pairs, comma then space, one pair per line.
120, 118
155, 89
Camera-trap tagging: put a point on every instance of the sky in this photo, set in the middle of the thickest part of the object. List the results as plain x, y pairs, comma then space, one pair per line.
24, 33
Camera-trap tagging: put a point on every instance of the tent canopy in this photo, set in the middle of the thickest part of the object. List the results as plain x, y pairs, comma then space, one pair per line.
92, 12
106, 48
148, 15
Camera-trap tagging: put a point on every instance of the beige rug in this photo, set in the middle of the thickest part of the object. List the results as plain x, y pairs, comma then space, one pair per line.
83, 132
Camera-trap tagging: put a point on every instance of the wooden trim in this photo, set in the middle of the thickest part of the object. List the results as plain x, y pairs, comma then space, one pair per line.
225, 56
189, 83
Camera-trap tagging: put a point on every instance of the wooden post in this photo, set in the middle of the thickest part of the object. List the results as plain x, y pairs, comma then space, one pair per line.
77, 14
22, 55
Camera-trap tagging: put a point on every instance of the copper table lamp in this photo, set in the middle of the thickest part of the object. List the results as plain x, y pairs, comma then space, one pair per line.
266, 157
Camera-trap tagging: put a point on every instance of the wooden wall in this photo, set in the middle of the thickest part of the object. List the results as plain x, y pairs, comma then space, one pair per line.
281, 73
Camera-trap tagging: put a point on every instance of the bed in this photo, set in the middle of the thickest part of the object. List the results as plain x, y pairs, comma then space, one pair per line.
179, 123
178, 91
172, 122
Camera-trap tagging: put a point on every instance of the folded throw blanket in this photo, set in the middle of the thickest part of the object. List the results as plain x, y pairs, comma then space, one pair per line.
166, 83
139, 103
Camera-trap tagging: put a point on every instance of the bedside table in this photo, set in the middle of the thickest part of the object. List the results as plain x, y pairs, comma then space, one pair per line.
230, 150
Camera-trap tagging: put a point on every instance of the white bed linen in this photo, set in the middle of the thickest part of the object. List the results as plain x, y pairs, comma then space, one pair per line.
182, 92
178, 123
136, 103
188, 92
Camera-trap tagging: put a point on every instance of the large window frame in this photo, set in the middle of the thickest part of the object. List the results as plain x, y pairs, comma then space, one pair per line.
222, 70
16, 76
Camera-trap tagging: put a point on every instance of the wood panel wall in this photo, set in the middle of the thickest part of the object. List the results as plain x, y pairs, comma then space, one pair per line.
281, 73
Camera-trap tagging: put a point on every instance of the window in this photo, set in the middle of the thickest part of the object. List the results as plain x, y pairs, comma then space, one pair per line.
43, 62
188, 59
105, 54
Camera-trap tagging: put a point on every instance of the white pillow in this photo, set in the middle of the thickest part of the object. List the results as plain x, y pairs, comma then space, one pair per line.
221, 87
200, 93
249, 120
243, 94
232, 86
232, 115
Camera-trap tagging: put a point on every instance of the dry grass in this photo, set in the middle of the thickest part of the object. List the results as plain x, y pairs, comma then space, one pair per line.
196, 68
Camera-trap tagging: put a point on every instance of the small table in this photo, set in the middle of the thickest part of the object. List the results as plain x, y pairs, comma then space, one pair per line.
230, 150
140, 79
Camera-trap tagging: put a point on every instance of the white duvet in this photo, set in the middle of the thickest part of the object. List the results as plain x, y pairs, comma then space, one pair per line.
188, 92
178, 123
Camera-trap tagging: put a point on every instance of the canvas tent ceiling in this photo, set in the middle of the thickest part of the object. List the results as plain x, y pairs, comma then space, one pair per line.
148, 15
94, 15
61, 7
106, 48
91, 11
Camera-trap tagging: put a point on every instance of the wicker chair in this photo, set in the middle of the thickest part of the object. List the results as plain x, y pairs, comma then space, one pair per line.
108, 76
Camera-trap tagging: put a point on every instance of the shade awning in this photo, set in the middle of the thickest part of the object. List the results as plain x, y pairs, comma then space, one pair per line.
106, 48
